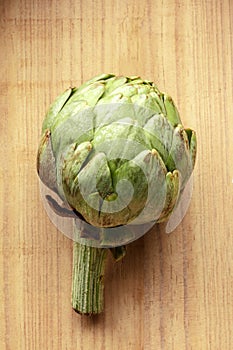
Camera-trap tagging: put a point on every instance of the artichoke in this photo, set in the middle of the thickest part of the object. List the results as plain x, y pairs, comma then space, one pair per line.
115, 152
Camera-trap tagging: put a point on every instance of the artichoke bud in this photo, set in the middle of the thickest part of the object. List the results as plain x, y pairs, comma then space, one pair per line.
115, 150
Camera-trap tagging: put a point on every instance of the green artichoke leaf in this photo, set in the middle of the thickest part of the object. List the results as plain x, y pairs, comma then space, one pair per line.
142, 115
121, 140
147, 101
133, 77
107, 113
160, 134
78, 102
114, 83
171, 111
79, 127
147, 173
192, 145
55, 108
180, 155
173, 190
104, 178
127, 90
143, 89
117, 98
70, 163
158, 96
149, 82
130, 187
68, 111
137, 81
101, 77
91, 94
46, 166
92, 188
120, 109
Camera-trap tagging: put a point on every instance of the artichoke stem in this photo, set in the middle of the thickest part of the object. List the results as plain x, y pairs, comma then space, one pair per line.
87, 281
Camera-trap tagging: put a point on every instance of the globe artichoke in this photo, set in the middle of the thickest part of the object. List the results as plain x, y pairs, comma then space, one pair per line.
115, 152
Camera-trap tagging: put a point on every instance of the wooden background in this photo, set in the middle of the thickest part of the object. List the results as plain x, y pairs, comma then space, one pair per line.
171, 291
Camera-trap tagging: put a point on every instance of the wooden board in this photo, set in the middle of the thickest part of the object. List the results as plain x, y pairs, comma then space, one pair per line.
171, 291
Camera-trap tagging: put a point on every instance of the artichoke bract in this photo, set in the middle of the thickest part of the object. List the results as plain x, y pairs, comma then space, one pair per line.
116, 153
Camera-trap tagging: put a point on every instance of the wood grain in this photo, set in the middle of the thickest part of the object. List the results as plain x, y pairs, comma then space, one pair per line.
170, 292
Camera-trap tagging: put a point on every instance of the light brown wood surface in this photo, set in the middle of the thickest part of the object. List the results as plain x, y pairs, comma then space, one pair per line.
171, 291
